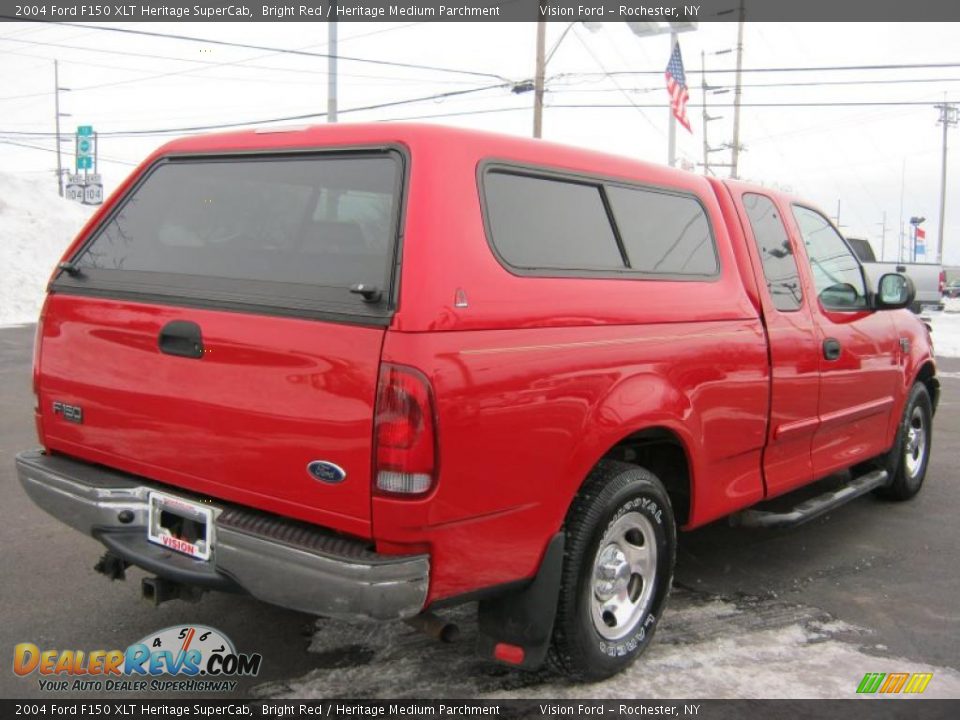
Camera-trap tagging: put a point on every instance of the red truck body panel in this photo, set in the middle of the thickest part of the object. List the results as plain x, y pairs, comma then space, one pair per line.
534, 378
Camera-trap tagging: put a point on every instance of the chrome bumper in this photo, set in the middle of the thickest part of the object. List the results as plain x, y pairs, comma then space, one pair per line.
279, 561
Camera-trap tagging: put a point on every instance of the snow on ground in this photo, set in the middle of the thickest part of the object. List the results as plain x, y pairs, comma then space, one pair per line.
705, 647
946, 329
36, 225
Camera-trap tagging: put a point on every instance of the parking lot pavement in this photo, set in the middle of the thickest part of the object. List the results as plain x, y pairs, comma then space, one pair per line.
890, 569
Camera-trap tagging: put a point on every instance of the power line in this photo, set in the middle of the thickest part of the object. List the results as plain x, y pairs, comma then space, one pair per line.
52, 150
266, 121
820, 83
613, 80
269, 49
482, 111
822, 68
208, 64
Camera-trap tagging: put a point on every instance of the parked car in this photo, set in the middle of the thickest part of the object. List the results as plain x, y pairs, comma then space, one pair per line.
372, 371
952, 289
928, 278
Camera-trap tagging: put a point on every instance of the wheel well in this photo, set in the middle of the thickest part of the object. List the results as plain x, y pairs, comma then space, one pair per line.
661, 452
928, 377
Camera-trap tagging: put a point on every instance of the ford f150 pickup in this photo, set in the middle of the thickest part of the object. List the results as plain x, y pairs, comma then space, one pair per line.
929, 279
375, 370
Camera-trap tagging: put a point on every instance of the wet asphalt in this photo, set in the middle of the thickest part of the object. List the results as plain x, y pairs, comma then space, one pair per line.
891, 568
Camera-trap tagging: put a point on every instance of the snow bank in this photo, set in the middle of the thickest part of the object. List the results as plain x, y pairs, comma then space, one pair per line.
705, 647
946, 329
36, 225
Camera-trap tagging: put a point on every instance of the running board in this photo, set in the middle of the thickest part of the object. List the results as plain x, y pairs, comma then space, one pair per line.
814, 507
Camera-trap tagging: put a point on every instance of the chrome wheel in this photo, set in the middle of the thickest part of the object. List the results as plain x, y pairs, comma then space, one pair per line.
914, 453
624, 576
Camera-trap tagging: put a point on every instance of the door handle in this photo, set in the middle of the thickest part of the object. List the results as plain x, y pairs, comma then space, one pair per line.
831, 349
181, 337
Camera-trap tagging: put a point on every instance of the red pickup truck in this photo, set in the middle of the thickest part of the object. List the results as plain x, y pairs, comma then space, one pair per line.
375, 370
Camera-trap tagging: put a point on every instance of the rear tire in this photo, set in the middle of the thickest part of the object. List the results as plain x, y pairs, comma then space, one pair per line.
617, 571
907, 461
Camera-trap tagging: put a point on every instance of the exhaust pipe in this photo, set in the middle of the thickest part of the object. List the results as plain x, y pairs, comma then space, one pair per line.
435, 627
157, 590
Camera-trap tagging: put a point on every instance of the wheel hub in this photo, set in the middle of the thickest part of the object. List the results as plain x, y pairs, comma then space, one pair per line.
613, 573
916, 444
624, 576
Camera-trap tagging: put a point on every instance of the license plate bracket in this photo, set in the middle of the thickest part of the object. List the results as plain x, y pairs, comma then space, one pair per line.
183, 526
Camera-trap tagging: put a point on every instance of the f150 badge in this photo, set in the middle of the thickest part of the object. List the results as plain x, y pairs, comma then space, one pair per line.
72, 413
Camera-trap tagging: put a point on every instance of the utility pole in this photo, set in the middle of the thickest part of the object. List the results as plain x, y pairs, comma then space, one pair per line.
838, 212
539, 78
703, 85
883, 237
903, 180
735, 161
948, 118
332, 68
56, 111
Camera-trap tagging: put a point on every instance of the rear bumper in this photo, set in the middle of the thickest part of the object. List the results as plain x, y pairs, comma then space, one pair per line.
279, 561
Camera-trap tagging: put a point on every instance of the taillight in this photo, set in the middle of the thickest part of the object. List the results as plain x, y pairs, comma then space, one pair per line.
943, 280
405, 433
37, 340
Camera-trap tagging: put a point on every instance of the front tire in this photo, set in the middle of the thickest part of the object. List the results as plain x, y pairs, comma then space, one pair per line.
907, 462
617, 571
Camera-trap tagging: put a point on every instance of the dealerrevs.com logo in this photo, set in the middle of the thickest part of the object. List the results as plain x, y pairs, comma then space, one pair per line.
192, 658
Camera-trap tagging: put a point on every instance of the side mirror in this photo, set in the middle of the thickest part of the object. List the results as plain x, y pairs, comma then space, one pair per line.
894, 291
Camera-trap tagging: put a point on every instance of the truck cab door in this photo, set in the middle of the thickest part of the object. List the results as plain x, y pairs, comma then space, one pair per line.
859, 351
792, 340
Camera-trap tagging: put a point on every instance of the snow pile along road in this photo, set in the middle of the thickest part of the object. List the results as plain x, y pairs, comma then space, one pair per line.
705, 647
36, 225
946, 329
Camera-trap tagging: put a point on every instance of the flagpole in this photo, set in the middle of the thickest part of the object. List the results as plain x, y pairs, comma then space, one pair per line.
672, 134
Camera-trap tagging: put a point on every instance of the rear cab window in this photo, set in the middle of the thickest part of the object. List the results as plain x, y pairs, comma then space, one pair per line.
776, 253
546, 223
289, 233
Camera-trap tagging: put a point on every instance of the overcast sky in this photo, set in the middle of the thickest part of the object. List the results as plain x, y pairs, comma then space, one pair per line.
854, 155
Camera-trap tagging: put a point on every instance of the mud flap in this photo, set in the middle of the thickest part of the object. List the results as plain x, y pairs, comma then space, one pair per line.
515, 628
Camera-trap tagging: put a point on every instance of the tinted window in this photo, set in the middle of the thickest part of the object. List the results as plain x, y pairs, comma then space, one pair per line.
311, 221
663, 233
776, 253
836, 272
549, 224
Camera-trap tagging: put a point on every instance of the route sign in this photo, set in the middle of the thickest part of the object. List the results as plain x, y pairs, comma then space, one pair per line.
93, 194
85, 130
84, 162
74, 190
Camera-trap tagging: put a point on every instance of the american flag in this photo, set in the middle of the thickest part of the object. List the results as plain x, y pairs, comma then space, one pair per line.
677, 87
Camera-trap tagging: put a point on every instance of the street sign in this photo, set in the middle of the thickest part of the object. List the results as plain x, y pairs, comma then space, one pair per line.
86, 148
93, 195
74, 191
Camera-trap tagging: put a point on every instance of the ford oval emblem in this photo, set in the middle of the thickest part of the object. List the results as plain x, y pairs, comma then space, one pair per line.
327, 472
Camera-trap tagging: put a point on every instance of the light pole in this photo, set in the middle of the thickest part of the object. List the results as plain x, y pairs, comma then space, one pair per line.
538, 78
332, 68
646, 29
948, 118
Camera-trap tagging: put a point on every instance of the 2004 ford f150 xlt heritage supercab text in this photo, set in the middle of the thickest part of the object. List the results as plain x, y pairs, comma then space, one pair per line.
375, 370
